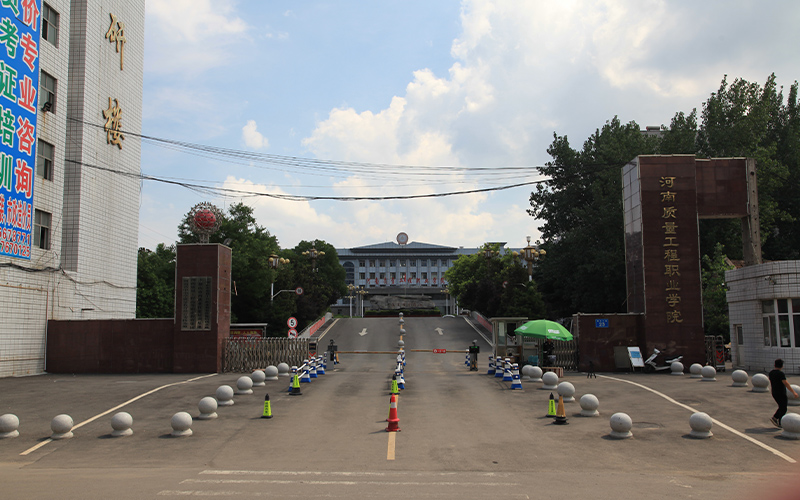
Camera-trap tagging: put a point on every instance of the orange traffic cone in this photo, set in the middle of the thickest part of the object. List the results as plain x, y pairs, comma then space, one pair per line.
393, 420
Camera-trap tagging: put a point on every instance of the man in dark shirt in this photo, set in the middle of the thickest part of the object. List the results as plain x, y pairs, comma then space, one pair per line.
780, 385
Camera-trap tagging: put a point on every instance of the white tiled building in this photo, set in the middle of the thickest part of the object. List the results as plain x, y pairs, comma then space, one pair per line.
764, 312
86, 191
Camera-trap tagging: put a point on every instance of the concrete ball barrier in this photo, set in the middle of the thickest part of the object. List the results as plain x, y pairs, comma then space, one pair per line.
400, 343
791, 426
549, 381
760, 383
526, 372
244, 386
258, 377
695, 370
272, 373
676, 368
402, 331
181, 424
589, 405
9, 426
621, 425
401, 315
701, 425
122, 424
792, 400
224, 395
283, 370
567, 391
208, 408
61, 425
739, 378
536, 374
709, 374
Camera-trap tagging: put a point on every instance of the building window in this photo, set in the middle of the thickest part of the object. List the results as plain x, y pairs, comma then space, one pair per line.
380, 263
49, 24
391, 263
362, 276
781, 321
44, 160
360, 263
349, 273
47, 90
41, 229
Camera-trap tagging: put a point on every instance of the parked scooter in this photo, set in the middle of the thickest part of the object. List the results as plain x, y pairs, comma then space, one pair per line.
650, 365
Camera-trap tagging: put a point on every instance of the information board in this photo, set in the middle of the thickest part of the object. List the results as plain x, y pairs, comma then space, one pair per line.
636, 357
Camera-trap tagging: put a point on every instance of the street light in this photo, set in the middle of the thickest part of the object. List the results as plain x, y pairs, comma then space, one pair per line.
314, 254
362, 292
446, 293
351, 287
531, 255
275, 262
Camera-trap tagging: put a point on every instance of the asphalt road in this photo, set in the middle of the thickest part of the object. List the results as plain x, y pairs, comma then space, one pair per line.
463, 434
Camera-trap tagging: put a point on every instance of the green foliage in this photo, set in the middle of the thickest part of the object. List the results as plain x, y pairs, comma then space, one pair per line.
715, 303
322, 280
155, 282
477, 282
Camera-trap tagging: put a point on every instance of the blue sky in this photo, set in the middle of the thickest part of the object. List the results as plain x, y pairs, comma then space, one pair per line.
471, 84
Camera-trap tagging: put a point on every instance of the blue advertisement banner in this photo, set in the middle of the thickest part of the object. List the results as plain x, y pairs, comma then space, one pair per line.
19, 87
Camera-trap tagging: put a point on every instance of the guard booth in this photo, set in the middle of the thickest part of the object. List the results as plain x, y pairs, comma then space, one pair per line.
522, 350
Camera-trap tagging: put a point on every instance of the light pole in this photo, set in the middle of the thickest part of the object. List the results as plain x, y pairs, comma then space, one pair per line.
362, 292
350, 288
274, 263
531, 255
446, 293
314, 254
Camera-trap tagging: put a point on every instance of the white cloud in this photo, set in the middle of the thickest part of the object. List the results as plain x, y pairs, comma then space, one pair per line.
252, 137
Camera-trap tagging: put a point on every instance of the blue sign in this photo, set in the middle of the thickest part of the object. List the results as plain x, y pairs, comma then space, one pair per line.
601, 323
19, 86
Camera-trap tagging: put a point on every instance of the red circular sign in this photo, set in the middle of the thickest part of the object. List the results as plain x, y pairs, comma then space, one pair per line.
292, 322
205, 219
292, 333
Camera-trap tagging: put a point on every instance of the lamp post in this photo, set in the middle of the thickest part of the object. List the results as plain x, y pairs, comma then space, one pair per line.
362, 292
351, 287
446, 293
314, 254
531, 255
274, 263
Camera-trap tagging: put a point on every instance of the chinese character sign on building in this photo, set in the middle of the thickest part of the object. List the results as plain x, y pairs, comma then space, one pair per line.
19, 84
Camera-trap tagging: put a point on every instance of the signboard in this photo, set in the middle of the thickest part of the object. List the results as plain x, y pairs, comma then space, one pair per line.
292, 333
636, 357
291, 322
298, 291
439, 351
19, 88
601, 323
246, 333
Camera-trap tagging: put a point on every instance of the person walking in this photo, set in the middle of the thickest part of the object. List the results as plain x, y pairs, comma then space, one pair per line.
779, 385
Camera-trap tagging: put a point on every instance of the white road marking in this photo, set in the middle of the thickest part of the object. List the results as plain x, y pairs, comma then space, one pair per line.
715, 421
363, 332
440, 331
92, 419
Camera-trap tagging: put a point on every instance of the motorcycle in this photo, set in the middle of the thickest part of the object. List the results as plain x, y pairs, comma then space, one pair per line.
650, 365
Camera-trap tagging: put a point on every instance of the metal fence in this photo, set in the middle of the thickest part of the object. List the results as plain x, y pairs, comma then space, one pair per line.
566, 354
246, 355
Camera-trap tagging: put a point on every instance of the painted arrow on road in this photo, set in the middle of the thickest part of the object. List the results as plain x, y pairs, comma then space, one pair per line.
440, 331
363, 332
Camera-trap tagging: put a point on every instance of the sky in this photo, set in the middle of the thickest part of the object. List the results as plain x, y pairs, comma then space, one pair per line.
396, 98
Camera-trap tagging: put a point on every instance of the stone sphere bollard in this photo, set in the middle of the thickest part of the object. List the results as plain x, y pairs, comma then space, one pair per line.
696, 370
589, 405
739, 378
792, 400
258, 377
224, 395
283, 370
9, 425
61, 425
709, 374
208, 408
121, 423
244, 386
400, 343
181, 424
791, 426
526, 372
549, 381
536, 374
676, 368
272, 373
401, 321
621, 425
701, 425
401, 315
567, 391
402, 331
760, 383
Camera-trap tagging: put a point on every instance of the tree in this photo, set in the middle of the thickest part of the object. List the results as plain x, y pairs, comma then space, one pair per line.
155, 282
496, 287
715, 302
322, 279
581, 206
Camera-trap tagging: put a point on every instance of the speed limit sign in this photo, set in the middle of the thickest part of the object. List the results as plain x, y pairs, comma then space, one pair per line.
292, 322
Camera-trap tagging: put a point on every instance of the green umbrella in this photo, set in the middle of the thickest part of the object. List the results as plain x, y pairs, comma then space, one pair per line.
544, 329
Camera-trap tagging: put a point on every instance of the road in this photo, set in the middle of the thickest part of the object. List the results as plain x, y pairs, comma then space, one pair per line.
463, 434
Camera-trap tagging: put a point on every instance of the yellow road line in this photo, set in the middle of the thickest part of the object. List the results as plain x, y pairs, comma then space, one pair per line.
390, 451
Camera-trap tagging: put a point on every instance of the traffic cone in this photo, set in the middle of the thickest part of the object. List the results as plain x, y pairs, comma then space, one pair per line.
306, 376
395, 388
561, 414
320, 365
312, 368
491, 366
498, 367
295, 390
267, 408
401, 382
551, 407
393, 420
516, 383
507, 372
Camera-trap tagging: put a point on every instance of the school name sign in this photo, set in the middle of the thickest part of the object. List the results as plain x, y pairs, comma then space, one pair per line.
19, 84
